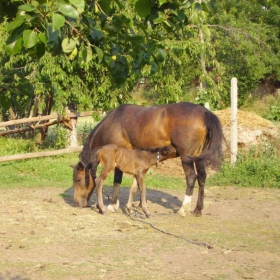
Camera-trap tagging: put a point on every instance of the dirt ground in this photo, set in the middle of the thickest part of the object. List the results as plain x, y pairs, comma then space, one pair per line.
43, 236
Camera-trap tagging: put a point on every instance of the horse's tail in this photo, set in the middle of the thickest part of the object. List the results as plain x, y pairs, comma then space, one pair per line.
211, 150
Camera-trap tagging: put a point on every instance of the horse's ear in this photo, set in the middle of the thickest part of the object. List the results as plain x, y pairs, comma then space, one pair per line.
80, 166
89, 166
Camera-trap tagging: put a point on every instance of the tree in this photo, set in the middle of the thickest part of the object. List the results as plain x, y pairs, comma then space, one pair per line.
246, 36
100, 48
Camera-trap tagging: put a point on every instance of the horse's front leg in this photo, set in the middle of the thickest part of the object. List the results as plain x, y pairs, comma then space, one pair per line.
190, 173
133, 190
142, 188
114, 205
201, 178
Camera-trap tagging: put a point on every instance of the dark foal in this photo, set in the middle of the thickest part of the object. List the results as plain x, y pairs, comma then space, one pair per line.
133, 162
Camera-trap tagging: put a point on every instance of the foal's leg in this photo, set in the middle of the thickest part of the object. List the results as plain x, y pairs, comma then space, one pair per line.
201, 178
114, 205
142, 188
99, 185
190, 173
133, 190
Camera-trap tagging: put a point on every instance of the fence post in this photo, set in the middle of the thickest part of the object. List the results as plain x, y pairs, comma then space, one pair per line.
233, 135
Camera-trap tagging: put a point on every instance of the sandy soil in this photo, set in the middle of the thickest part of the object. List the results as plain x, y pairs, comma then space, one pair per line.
43, 236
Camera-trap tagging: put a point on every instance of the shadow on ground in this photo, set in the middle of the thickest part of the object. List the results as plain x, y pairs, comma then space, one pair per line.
168, 201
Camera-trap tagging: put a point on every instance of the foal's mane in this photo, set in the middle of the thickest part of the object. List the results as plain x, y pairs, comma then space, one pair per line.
85, 155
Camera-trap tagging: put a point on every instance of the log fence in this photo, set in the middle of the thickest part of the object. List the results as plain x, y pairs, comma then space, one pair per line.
30, 124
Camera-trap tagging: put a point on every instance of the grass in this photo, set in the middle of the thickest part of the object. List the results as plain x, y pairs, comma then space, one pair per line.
56, 172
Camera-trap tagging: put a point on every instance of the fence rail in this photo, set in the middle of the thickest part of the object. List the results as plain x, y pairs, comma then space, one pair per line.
45, 118
41, 154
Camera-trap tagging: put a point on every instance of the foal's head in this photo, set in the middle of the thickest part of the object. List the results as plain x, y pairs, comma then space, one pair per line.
84, 184
167, 152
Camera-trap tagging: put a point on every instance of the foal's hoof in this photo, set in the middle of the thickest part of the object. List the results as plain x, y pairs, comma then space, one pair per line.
103, 212
182, 212
111, 208
148, 214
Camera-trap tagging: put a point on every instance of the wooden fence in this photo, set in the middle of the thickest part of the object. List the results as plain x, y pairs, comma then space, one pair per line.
31, 124
41, 154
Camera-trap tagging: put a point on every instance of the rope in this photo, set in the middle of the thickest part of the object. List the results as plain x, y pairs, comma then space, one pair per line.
132, 216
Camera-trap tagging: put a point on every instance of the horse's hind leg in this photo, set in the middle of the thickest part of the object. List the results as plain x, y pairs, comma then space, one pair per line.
201, 178
191, 176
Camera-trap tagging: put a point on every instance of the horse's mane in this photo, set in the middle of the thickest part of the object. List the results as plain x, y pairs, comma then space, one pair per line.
85, 154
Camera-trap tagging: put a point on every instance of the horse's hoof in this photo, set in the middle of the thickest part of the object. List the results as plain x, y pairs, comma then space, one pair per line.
197, 213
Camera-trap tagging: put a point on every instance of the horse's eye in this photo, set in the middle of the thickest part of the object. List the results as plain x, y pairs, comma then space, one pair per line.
78, 180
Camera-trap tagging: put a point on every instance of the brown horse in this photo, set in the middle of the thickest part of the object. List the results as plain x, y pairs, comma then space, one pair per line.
133, 162
194, 131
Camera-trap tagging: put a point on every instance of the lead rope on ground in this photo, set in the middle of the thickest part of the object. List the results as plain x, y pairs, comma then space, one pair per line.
132, 216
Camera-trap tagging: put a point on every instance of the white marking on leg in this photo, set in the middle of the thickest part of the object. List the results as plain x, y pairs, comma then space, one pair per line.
186, 205
117, 205
113, 207
187, 202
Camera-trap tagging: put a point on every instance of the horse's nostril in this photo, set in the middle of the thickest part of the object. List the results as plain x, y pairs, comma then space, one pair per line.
77, 204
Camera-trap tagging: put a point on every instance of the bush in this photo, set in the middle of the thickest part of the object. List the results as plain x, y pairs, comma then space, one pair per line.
11, 146
258, 167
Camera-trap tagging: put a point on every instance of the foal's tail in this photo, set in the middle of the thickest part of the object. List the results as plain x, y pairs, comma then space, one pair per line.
212, 148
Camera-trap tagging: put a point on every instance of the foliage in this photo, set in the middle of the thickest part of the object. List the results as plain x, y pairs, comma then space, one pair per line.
82, 54
91, 54
274, 113
56, 139
99, 30
11, 146
247, 42
258, 167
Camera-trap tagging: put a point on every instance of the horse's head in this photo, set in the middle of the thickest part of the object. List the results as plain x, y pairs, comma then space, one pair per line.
84, 184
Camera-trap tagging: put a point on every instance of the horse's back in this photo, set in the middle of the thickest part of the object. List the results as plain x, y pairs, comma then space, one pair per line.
158, 126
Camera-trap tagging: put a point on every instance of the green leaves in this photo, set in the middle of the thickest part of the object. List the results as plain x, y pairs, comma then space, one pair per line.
68, 45
79, 4
15, 24
13, 45
30, 38
87, 54
143, 8
27, 8
99, 53
57, 21
68, 11
161, 55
